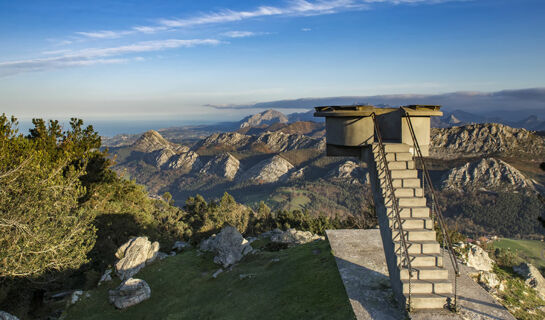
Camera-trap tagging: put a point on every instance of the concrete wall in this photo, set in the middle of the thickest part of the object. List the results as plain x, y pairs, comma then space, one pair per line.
390, 126
421, 126
349, 131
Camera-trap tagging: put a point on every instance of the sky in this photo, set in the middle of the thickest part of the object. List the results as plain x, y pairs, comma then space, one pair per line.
196, 60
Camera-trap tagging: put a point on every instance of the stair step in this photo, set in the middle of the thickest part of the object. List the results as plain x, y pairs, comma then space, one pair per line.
408, 192
420, 247
425, 273
427, 286
412, 202
414, 212
404, 174
412, 223
426, 260
396, 147
400, 165
428, 301
404, 183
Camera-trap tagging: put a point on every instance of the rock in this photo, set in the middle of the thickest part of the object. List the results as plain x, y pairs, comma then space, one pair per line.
226, 140
229, 246
293, 237
75, 296
477, 258
134, 255
350, 172
266, 117
268, 171
6, 316
162, 255
532, 277
107, 276
180, 245
224, 165
216, 274
490, 174
489, 280
130, 292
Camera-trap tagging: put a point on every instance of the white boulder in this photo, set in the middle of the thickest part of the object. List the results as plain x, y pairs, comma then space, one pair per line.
130, 292
229, 246
532, 277
477, 258
134, 255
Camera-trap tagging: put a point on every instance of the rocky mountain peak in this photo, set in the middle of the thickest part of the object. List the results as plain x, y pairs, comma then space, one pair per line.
487, 173
152, 140
484, 139
223, 165
266, 117
351, 172
269, 170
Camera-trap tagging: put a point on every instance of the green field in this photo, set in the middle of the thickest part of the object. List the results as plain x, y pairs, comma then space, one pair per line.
532, 251
297, 283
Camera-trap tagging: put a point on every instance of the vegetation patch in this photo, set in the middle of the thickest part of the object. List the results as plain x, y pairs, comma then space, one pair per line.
297, 283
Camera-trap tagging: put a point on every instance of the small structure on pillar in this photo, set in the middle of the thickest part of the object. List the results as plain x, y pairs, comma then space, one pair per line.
349, 128
389, 140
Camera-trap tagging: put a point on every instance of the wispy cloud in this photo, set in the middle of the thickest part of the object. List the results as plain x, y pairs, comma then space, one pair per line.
292, 8
242, 34
306, 29
94, 56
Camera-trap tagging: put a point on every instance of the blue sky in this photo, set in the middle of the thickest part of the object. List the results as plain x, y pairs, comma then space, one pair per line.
166, 59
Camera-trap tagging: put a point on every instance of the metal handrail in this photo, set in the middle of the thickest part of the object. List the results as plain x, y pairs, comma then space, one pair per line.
393, 200
436, 210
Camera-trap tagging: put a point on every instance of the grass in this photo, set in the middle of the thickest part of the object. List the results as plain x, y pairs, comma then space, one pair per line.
529, 250
303, 284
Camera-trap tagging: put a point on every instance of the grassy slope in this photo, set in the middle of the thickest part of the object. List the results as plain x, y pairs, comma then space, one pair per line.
303, 284
529, 250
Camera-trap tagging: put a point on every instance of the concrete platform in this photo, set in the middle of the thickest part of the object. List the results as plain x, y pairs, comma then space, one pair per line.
362, 265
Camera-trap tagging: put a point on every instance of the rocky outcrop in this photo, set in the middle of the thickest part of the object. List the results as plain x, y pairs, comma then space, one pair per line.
488, 173
6, 316
268, 171
151, 141
130, 292
477, 258
180, 245
185, 161
134, 255
484, 139
266, 117
297, 174
350, 172
229, 246
223, 165
532, 277
280, 142
294, 237
231, 140
159, 157
490, 281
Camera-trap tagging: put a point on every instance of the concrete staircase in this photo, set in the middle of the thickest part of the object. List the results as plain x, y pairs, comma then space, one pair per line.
429, 286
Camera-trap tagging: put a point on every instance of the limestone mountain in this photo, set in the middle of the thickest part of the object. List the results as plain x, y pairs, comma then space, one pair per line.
485, 139
153, 140
223, 165
266, 117
268, 171
489, 174
266, 142
186, 160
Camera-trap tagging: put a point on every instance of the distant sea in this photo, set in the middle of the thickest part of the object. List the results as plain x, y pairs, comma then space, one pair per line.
110, 128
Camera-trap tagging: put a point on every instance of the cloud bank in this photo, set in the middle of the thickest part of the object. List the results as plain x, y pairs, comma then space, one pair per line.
508, 100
